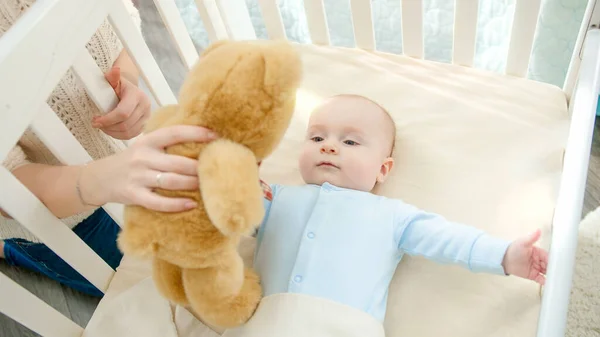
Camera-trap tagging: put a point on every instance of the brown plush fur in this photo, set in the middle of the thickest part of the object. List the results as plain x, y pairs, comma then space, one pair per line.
245, 91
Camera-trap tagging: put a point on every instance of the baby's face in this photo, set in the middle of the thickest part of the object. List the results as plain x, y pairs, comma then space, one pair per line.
348, 144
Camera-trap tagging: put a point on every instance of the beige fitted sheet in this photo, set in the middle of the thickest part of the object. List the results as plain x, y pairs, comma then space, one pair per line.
474, 146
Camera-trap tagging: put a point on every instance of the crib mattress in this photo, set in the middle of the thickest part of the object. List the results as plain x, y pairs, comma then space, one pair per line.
474, 146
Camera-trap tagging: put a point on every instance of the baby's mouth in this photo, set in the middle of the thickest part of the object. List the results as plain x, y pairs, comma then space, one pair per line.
326, 163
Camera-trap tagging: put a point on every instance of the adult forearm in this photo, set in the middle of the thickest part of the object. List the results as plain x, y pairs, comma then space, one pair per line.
57, 187
128, 177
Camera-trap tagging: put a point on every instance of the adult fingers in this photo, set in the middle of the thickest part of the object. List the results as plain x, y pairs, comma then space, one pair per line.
159, 203
113, 77
176, 134
173, 163
136, 129
171, 181
121, 112
129, 128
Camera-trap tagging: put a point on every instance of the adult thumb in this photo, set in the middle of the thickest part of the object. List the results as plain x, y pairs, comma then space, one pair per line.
113, 76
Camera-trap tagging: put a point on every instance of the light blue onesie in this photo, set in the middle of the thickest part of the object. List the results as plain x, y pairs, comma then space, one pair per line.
344, 244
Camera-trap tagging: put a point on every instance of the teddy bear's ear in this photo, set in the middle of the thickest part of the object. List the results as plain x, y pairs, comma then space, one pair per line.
214, 46
283, 67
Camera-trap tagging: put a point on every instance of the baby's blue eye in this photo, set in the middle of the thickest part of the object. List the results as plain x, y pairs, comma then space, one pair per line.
350, 142
317, 139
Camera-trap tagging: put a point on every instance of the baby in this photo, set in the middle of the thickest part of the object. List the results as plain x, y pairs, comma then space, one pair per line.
333, 238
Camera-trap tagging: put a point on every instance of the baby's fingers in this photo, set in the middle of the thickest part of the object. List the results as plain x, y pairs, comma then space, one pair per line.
543, 260
541, 279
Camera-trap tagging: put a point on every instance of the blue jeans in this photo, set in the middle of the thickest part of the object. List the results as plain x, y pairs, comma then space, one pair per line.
99, 231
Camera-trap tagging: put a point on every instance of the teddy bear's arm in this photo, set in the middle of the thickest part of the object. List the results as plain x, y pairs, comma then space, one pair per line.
230, 187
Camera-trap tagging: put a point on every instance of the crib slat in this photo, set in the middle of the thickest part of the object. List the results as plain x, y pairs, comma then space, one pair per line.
25, 308
43, 27
272, 18
412, 28
591, 16
521, 39
29, 211
135, 45
97, 88
57, 138
362, 21
465, 30
213, 23
317, 23
572, 190
65, 147
172, 19
236, 18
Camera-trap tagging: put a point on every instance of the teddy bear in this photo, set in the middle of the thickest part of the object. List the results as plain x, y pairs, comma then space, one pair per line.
244, 91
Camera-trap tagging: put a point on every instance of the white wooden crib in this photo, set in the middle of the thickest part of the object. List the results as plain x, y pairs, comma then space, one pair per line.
51, 36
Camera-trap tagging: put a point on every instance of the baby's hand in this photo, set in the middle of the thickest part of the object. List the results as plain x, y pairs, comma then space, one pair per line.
525, 260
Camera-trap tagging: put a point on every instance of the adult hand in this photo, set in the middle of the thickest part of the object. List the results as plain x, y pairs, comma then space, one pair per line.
130, 176
127, 119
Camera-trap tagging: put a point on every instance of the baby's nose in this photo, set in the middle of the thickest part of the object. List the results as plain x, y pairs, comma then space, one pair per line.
328, 149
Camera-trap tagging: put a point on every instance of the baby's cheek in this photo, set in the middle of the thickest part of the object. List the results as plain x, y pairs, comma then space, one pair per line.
366, 168
357, 169
304, 162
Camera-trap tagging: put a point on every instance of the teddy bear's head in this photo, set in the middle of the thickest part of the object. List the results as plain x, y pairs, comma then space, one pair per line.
244, 91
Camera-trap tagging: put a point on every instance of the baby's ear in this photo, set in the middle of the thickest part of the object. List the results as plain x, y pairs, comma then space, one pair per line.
386, 168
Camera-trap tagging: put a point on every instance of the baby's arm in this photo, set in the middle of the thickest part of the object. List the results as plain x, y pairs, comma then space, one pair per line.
432, 236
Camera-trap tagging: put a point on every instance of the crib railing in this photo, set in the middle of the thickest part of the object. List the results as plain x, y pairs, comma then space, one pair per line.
567, 214
35, 53
50, 38
230, 19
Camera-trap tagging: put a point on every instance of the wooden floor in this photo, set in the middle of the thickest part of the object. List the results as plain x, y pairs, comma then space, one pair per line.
80, 307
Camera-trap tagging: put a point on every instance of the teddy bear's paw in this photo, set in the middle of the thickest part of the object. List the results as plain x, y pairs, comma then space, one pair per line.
169, 282
236, 223
242, 307
235, 310
223, 280
230, 187
240, 223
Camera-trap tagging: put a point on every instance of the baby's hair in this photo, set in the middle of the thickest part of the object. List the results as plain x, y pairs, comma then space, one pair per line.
387, 114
